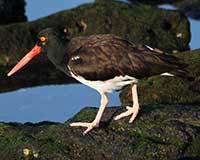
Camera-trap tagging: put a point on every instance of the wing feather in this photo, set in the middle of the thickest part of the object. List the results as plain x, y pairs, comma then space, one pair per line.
103, 57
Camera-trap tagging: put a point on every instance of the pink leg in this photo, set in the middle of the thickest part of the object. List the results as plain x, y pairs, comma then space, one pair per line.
95, 123
131, 110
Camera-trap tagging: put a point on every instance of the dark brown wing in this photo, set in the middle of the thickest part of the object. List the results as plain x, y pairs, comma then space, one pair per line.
103, 57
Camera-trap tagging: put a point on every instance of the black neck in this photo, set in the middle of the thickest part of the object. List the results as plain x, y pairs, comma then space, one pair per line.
57, 54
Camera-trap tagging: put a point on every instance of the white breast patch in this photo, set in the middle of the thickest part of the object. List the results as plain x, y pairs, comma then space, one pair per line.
115, 83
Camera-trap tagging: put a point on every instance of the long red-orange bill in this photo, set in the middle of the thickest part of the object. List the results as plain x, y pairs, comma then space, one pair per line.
35, 51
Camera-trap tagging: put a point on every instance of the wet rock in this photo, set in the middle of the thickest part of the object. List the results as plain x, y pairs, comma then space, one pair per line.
159, 132
170, 90
12, 11
190, 7
137, 23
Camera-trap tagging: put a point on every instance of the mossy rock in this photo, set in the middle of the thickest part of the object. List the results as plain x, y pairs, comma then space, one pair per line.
157, 2
189, 7
159, 132
167, 30
170, 90
12, 11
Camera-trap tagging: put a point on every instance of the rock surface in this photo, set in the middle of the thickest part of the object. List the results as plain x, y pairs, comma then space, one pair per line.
167, 30
12, 11
159, 132
190, 7
170, 90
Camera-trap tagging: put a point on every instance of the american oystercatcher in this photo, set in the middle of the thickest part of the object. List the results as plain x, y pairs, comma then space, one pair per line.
103, 62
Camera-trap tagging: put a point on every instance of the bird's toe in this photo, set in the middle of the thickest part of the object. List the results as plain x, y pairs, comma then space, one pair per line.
89, 126
133, 111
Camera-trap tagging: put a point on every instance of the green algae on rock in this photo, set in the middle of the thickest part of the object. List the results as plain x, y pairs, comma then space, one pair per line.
167, 30
189, 7
159, 132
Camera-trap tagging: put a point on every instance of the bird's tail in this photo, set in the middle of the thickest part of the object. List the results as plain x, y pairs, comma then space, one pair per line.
182, 73
178, 67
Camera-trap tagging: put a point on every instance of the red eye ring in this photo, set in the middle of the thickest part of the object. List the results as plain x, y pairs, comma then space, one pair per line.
43, 39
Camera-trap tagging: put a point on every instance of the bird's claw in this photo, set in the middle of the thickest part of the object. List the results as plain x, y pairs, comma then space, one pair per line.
130, 110
89, 126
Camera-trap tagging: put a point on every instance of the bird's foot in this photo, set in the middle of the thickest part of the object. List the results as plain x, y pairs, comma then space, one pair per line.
89, 126
130, 111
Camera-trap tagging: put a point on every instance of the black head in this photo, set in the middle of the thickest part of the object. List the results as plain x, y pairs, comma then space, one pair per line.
51, 41
51, 38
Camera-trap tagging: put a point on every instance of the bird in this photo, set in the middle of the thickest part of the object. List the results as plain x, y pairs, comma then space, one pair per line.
104, 62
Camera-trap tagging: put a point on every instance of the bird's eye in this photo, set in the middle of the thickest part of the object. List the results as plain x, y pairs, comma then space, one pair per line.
43, 39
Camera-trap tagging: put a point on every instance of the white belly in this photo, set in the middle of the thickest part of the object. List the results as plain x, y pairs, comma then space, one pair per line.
109, 85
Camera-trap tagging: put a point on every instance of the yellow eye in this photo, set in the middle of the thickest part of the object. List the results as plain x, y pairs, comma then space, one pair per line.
43, 39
